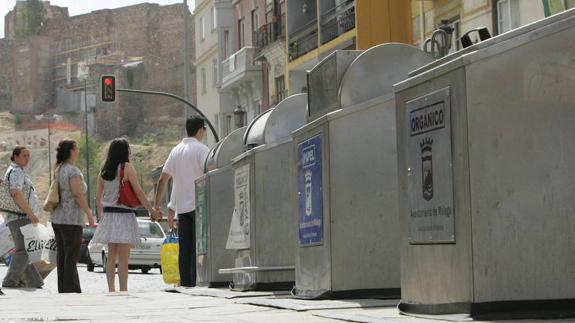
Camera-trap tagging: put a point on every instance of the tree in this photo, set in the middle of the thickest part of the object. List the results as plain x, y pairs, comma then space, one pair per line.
33, 15
93, 148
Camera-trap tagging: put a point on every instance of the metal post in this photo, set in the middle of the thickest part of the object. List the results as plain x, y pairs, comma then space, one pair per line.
186, 57
188, 103
87, 143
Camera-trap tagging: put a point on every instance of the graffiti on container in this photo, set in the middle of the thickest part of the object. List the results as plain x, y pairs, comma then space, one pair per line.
239, 235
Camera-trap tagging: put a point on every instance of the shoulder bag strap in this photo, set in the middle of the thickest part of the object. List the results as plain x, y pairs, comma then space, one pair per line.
122, 172
57, 178
8, 178
29, 191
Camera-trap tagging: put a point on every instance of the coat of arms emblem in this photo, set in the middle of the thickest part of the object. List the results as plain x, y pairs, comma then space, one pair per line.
427, 168
308, 192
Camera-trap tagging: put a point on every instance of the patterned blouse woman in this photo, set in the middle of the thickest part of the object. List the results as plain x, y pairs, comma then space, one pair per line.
21, 273
69, 217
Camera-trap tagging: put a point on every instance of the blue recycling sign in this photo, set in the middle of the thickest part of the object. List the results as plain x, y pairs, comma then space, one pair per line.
310, 188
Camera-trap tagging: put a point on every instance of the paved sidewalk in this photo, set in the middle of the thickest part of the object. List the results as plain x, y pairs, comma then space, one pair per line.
95, 282
188, 305
138, 307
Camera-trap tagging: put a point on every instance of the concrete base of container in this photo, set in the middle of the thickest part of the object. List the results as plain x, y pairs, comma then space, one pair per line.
275, 286
221, 284
385, 293
501, 310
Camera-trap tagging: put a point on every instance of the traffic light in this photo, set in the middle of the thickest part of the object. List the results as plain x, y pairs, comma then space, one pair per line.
108, 88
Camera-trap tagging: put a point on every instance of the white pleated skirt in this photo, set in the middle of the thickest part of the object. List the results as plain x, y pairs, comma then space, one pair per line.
117, 228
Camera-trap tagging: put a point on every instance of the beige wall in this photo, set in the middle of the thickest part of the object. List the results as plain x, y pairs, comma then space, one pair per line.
204, 10
276, 57
530, 11
208, 101
206, 54
472, 14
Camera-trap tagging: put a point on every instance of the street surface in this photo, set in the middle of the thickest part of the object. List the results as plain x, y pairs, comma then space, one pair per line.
150, 300
95, 282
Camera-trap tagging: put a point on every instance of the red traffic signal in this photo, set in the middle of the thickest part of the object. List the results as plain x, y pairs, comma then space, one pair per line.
108, 88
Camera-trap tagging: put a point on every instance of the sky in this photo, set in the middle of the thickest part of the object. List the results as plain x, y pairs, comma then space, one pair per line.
78, 7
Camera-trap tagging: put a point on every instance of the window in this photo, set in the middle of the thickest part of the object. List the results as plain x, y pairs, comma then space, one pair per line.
281, 8
269, 11
203, 76
507, 15
215, 73
280, 88
226, 43
552, 7
255, 20
202, 28
214, 18
150, 230
241, 33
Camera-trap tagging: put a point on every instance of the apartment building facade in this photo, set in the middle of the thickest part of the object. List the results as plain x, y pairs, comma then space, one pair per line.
316, 28
241, 72
499, 16
240, 59
213, 39
269, 41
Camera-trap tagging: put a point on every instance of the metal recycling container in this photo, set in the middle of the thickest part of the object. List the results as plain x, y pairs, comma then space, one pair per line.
262, 227
348, 239
486, 148
214, 205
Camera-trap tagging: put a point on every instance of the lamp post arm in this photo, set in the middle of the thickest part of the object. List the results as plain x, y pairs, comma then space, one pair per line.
173, 96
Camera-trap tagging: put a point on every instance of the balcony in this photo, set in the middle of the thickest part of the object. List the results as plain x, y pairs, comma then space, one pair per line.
270, 32
337, 21
240, 66
303, 41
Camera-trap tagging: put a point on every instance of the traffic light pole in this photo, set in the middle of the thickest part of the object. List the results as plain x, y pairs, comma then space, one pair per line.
87, 143
216, 137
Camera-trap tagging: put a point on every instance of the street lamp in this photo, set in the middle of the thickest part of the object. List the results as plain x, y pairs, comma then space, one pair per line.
239, 116
448, 32
55, 117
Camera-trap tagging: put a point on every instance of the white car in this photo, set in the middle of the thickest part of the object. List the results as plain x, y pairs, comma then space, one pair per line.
145, 255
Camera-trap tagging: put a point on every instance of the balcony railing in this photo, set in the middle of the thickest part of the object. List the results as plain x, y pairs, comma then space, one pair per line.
337, 21
303, 41
270, 32
240, 62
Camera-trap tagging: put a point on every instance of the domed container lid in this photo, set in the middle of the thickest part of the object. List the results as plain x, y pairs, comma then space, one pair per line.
225, 150
276, 125
254, 135
288, 115
374, 72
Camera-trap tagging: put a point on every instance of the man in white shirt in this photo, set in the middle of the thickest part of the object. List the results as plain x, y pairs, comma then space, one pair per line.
184, 165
